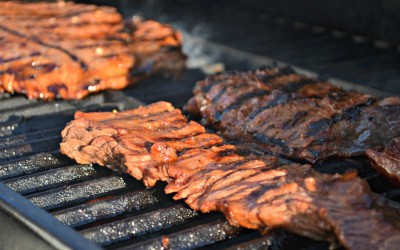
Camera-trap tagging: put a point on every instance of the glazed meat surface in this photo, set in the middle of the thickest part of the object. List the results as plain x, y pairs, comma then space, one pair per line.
156, 142
69, 50
298, 117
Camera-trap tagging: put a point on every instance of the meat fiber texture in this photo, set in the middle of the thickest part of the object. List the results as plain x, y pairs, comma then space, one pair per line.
300, 118
66, 50
156, 142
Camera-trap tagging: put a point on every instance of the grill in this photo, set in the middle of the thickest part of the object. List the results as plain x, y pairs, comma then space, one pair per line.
111, 210
47, 201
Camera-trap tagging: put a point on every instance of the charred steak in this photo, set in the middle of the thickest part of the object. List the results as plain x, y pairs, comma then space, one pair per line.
156, 142
300, 118
69, 50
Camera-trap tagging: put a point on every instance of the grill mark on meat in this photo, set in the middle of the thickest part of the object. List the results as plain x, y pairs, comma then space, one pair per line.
34, 54
293, 86
245, 84
227, 152
26, 71
220, 115
319, 126
222, 91
197, 200
350, 114
295, 120
282, 98
270, 140
56, 87
75, 58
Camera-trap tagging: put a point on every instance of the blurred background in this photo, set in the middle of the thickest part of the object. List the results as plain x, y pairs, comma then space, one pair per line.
355, 41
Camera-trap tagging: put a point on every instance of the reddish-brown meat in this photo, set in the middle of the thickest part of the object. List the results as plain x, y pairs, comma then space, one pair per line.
298, 117
69, 50
135, 141
389, 157
156, 142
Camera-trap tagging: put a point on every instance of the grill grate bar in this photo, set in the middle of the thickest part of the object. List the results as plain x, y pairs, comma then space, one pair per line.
80, 192
147, 223
32, 164
267, 242
53, 178
29, 137
107, 208
14, 102
40, 108
7, 128
195, 237
21, 125
23, 150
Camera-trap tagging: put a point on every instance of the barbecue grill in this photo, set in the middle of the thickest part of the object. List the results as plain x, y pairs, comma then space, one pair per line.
47, 201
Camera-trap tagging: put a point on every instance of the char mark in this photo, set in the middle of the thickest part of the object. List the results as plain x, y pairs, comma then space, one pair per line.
239, 102
318, 126
281, 99
270, 140
296, 119
2, 61
24, 72
292, 87
75, 58
56, 87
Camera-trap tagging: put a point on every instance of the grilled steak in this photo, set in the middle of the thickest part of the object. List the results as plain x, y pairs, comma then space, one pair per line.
156, 142
298, 117
69, 50
117, 139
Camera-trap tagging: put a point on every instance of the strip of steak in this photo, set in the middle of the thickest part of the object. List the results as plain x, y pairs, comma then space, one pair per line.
298, 117
69, 50
156, 142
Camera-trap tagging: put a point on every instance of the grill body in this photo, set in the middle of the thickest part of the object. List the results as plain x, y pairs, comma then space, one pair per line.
47, 201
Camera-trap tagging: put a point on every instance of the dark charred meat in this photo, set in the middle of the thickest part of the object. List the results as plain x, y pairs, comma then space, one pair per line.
156, 142
298, 117
69, 50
